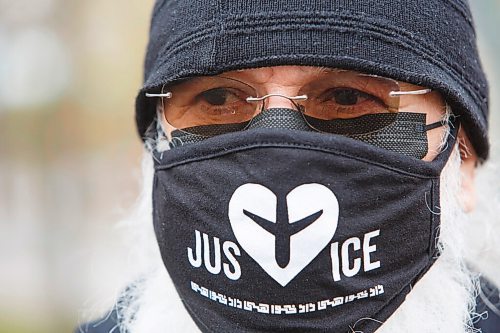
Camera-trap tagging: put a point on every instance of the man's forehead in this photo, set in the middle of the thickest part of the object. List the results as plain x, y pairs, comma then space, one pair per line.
293, 74
287, 72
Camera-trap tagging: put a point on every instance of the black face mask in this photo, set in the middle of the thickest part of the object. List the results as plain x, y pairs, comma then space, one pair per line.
404, 132
273, 230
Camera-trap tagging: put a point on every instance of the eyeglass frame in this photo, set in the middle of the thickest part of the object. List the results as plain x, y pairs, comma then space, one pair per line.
293, 99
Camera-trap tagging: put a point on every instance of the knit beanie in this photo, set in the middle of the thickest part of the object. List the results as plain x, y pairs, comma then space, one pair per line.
430, 43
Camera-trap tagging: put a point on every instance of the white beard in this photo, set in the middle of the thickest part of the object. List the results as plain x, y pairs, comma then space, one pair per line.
444, 298
440, 302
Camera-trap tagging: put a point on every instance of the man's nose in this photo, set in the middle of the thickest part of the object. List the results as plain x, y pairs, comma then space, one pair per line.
275, 102
280, 95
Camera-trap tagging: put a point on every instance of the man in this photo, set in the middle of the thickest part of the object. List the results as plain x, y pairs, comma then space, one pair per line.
313, 165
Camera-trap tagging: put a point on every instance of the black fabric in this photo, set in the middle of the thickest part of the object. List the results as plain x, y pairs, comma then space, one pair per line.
213, 130
407, 135
404, 132
488, 307
356, 126
253, 227
269, 118
280, 118
431, 44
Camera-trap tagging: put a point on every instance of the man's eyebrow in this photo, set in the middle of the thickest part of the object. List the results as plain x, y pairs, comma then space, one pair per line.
320, 71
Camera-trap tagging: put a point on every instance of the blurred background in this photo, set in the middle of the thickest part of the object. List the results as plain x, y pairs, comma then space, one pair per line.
70, 156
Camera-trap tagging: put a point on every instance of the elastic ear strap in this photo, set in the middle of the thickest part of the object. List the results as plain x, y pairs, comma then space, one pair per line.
443, 157
433, 125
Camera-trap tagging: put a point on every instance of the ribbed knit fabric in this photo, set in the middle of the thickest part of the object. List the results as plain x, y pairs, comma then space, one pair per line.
430, 43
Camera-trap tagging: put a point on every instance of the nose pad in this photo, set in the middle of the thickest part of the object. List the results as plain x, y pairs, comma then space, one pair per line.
280, 118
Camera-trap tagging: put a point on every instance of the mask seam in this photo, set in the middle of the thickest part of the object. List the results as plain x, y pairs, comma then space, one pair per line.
288, 145
435, 221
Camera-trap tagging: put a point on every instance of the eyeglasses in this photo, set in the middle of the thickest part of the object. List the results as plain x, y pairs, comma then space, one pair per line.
198, 104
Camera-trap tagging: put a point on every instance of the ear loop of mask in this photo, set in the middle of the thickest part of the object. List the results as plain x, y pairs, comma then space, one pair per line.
162, 140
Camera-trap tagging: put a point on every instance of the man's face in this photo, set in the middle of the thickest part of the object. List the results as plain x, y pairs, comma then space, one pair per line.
431, 300
289, 81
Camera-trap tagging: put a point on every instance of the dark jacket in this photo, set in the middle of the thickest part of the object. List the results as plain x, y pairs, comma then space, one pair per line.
488, 308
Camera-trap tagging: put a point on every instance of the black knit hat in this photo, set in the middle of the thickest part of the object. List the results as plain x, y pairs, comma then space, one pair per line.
430, 43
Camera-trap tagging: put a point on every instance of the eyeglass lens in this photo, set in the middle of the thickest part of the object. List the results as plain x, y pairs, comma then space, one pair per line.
340, 96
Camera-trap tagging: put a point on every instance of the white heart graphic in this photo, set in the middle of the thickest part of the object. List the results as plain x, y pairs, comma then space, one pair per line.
257, 201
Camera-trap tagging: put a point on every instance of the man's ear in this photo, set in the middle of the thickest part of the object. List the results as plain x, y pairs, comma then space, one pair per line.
468, 172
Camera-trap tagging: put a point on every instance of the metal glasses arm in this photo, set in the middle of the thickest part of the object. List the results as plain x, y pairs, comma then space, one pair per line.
411, 92
167, 95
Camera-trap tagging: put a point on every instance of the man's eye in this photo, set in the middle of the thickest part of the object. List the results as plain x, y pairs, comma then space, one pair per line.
217, 96
347, 96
